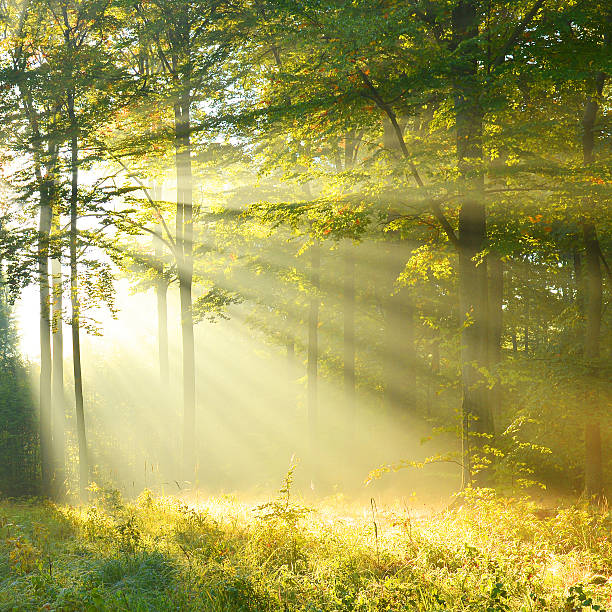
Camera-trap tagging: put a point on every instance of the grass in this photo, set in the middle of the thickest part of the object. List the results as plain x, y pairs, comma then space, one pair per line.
489, 553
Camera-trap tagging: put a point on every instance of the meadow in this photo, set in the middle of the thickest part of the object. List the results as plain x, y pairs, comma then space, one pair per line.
220, 554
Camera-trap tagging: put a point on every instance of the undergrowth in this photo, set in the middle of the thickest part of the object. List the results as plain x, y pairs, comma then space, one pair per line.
487, 553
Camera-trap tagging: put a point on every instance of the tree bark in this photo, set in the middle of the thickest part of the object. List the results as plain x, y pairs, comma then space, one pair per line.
495, 320
44, 231
593, 279
473, 291
74, 302
594, 292
59, 418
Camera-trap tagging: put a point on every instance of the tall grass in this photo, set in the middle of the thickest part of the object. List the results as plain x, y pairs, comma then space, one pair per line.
488, 553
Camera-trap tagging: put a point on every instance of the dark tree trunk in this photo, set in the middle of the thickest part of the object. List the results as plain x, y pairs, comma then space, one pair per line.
473, 291
74, 301
59, 415
496, 298
44, 230
593, 302
594, 292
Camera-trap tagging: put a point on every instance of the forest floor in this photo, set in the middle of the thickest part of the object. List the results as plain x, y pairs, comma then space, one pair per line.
488, 553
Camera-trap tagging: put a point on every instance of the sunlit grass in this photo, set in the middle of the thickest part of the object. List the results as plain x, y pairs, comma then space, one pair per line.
219, 553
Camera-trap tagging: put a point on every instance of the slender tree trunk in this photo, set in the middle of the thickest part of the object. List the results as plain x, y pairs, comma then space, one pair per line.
290, 346
594, 292
390, 357
349, 335
495, 320
184, 238
593, 469
399, 358
74, 301
434, 372
473, 290
161, 293
348, 306
408, 351
59, 419
44, 230
313, 357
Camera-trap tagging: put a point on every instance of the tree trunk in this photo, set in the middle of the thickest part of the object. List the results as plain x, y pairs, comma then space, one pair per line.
74, 301
313, 357
44, 230
594, 292
184, 241
290, 346
593, 468
349, 336
161, 293
495, 320
473, 291
434, 372
59, 417
408, 379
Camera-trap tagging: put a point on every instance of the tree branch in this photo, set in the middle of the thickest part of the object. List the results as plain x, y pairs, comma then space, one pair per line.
435, 206
520, 28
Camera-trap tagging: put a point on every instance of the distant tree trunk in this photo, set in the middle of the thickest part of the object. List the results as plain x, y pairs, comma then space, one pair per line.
74, 301
184, 241
390, 356
161, 293
496, 298
579, 281
44, 230
351, 144
313, 357
526, 338
473, 290
593, 469
408, 348
514, 341
290, 346
349, 335
399, 355
594, 292
59, 423
434, 371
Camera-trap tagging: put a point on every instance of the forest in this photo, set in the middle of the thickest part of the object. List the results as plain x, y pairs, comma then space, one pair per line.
305, 305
